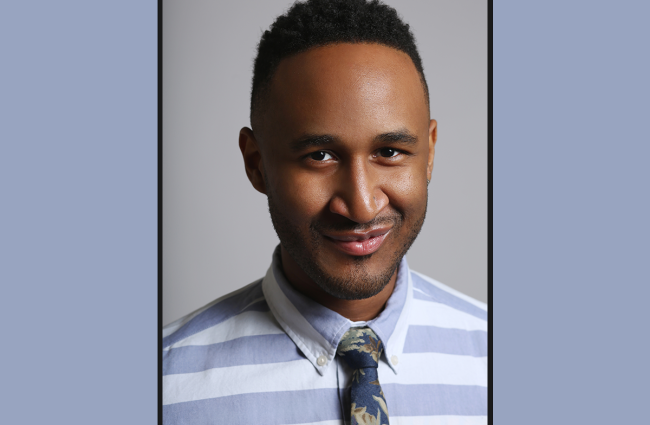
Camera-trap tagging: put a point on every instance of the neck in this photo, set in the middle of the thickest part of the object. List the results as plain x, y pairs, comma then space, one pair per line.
354, 310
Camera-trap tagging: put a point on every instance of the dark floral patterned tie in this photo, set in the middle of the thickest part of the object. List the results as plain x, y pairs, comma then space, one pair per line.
361, 349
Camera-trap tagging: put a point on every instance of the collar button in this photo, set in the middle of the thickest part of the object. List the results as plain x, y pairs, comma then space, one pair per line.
321, 361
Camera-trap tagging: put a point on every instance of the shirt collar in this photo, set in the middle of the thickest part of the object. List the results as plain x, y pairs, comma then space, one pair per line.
317, 330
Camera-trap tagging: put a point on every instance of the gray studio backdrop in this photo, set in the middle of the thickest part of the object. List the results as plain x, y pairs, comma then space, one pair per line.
217, 233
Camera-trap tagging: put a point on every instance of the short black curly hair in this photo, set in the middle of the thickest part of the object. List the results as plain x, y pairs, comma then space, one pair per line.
316, 23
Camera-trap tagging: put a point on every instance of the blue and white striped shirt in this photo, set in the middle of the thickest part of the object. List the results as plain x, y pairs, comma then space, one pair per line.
265, 354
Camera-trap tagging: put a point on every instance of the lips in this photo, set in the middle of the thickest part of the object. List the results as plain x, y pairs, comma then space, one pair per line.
359, 244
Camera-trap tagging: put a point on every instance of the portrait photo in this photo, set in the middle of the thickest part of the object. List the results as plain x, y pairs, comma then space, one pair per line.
325, 188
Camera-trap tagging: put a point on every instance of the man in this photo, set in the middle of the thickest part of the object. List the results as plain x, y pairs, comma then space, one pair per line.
339, 329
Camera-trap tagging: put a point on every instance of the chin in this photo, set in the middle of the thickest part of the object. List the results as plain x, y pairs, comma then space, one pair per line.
357, 284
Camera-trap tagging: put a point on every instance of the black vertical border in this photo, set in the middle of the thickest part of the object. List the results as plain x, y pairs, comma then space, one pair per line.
160, 207
489, 212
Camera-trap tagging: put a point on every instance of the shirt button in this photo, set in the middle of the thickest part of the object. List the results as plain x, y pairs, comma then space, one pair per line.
322, 361
394, 360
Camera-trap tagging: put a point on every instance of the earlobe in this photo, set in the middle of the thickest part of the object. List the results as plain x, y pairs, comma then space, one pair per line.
252, 159
433, 137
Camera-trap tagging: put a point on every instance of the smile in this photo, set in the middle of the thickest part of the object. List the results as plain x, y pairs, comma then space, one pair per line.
359, 244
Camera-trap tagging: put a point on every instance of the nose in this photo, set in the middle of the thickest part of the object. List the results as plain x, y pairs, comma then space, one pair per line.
358, 195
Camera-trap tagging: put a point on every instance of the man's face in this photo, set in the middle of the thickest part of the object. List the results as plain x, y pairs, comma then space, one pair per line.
347, 148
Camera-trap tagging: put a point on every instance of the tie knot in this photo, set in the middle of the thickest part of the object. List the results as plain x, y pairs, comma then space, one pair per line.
360, 347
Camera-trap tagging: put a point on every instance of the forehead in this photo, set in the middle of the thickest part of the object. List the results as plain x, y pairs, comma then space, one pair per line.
347, 88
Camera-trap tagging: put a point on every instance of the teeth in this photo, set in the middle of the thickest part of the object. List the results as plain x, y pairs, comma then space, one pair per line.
358, 238
355, 239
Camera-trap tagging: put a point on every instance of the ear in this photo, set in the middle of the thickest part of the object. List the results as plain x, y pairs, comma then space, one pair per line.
433, 137
252, 159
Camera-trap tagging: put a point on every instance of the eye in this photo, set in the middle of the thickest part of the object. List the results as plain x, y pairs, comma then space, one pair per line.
388, 152
320, 156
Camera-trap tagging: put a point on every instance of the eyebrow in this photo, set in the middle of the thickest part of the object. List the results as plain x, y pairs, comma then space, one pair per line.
402, 137
312, 141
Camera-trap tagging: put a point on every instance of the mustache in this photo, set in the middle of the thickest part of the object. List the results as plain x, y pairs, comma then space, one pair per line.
351, 226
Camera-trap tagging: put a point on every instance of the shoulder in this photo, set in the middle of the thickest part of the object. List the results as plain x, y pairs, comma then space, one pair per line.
445, 321
424, 282
431, 297
220, 314
219, 350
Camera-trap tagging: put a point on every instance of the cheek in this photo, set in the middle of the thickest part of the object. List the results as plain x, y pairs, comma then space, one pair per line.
406, 191
302, 196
